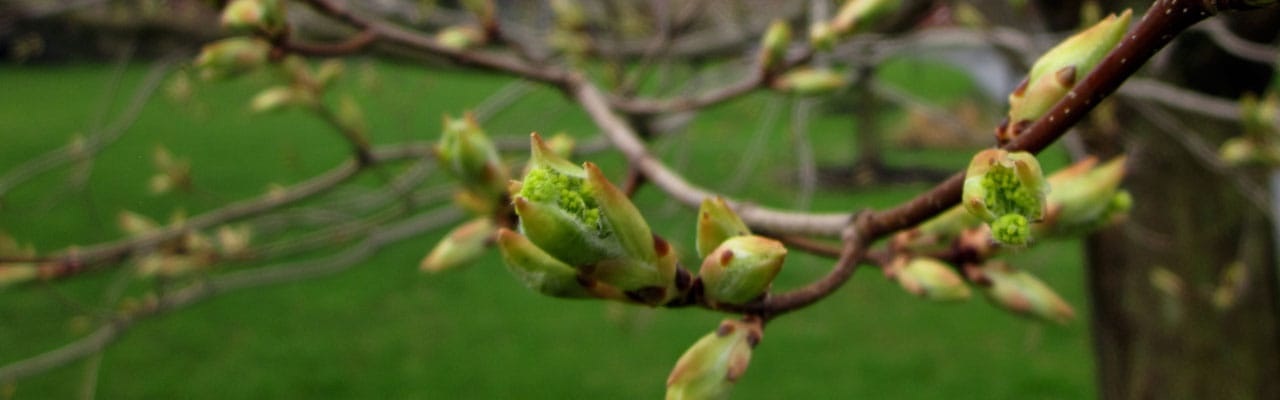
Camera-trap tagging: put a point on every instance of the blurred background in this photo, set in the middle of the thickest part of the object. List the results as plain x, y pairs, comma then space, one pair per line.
106, 126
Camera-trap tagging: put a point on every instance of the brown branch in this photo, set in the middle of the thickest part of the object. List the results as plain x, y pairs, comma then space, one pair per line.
351, 45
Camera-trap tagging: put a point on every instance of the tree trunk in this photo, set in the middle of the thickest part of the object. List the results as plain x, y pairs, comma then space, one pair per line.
1166, 323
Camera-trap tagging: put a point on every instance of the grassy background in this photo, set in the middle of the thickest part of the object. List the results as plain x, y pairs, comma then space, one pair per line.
384, 330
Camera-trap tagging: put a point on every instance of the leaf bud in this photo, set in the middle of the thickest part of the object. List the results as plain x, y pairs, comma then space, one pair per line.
810, 81
709, 369
231, 57
249, 15
855, 15
773, 47
1021, 293
716, 223
928, 278
741, 269
466, 153
460, 246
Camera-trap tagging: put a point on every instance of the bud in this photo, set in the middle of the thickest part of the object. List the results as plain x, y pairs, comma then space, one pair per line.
234, 241
580, 218
171, 172
928, 278
461, 37
462, 245
709, 369
16, 274
810, 82
134, 224
328, 72
569, 14
466, 153
1021, 293
351, 117
1258, 118
856, 14
249, 15
230, 57
716, 223
773, 48
278, 97
538, 270
821, 36
741, 269
1057, 71
1084, 197
997, 184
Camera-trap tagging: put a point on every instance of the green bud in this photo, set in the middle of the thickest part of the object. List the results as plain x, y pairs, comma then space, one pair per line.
17, 274
928, 278
1258, 118
741, 269
249, 15
998, 182
717, 222
1023, 294
1011, 230
810, 82
1243, 151
134, 224
1057, 71
538, 270
230, 57
821, 36
1082, 197
855, 15
460, 37
461, 246
708, 370
279, 97
328, 72
773, 48
466, 153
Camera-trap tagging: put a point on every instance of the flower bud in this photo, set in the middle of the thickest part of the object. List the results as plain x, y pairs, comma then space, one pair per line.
741, 269
856, 14
1057, 71
709, 369
460, 37
998, 184
230, 57
810, 82
928, 278
538, 270
717, 222
1023, 294
580, 218
248, 15
773, 48
466, 153
462, 245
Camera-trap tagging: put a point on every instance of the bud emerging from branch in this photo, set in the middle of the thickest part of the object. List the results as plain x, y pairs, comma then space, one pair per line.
1020, 292
773, 48
810, 81
1058, 70
716, 223
581, 219
460, 246
928, 278
1008, 191
741, 269
248, 15
708, 370
230, 57
469, 156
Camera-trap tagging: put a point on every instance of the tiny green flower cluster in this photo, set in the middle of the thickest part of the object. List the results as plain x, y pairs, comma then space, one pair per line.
1011, 229
571, 194
1006, 195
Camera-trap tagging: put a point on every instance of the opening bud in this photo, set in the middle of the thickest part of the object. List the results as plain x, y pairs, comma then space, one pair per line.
741, 269
998, 184
709, 369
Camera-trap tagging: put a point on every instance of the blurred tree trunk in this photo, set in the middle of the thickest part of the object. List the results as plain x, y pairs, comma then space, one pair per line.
1157, 331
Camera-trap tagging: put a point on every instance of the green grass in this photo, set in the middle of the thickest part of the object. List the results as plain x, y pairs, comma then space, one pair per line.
383, 330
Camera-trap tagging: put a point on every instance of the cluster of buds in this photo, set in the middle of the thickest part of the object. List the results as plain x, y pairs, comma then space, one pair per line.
265, 16
1022, 293
1057, 71
577, 228
811, 81
171, 172
1006, 190
737, 267
231, 57
709, 369
927, 278
1260, 143
187, 253
773, 47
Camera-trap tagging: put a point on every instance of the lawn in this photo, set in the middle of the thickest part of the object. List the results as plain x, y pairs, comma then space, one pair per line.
385, 330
